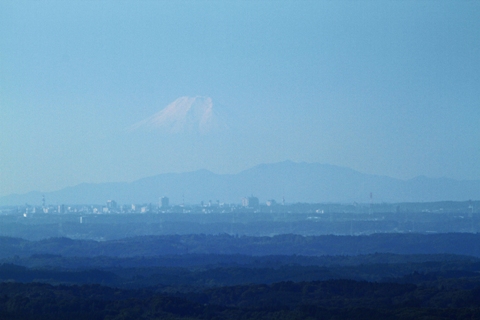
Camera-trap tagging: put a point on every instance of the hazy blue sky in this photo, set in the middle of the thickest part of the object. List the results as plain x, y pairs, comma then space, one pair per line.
384, 87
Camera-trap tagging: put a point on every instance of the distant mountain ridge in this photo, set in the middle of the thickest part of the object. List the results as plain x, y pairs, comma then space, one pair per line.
297, 182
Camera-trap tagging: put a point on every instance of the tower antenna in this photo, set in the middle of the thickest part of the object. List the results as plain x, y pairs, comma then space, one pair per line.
371, 202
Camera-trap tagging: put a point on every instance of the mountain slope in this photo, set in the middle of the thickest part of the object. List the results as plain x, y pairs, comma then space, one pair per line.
297, 182
186, 114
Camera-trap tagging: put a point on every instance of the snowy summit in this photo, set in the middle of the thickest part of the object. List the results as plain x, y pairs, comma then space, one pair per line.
186, 114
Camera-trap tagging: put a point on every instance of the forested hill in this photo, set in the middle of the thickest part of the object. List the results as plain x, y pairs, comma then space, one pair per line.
230, 277
334, 299
454, 243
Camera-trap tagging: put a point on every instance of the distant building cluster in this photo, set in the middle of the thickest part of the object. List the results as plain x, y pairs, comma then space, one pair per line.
250, 203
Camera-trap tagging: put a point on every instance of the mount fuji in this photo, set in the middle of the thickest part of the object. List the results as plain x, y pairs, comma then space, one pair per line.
185, 114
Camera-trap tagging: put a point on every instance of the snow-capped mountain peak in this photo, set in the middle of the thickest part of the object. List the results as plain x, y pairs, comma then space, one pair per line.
185, 114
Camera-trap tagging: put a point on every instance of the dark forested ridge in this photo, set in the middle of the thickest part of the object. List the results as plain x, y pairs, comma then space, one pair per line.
169, 273
380, 276
337, 299
288, 244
